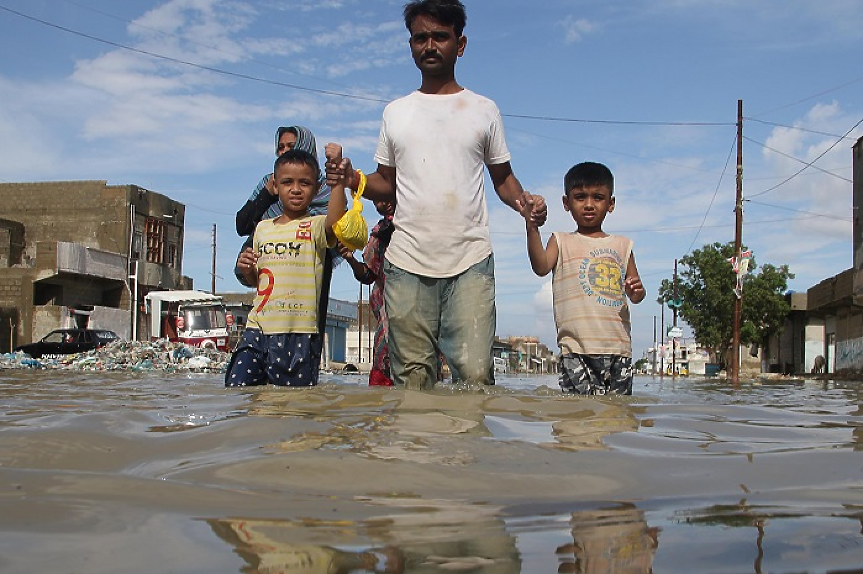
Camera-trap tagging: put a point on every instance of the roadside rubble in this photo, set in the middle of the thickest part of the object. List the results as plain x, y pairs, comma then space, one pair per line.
161, 355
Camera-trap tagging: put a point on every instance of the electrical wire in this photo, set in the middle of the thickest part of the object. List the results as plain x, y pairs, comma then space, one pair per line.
812, 97
808, 164
782, 153
798, 128
615, 122
715, 193
194, 65
824, 215
201, 44
329, 92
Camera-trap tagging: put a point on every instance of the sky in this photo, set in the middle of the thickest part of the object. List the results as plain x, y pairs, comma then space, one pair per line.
183, 97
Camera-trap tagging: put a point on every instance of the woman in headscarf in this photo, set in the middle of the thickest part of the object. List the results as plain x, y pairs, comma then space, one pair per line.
264, 204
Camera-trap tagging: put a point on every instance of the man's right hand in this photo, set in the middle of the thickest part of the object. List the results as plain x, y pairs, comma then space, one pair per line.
338, 168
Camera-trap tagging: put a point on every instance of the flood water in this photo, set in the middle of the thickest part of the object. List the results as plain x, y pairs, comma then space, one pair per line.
139, 473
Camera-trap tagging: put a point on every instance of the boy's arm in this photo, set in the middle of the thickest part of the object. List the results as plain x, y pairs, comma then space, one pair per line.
338, 204
541, 260
362, 273
247, 264
632, 284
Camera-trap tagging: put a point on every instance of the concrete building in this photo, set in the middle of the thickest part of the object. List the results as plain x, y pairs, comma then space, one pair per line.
828, 319
83, 253
529, 355
834, 328
360, 335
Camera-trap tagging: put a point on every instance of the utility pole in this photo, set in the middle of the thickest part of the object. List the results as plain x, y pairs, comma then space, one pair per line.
674, 315
738, 240
213, 285
662, 334
655, 347
360, 327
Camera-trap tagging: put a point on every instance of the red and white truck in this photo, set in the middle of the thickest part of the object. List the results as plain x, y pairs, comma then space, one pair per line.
195, 318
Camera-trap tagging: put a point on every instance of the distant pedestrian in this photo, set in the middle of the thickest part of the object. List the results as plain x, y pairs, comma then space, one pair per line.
593, 275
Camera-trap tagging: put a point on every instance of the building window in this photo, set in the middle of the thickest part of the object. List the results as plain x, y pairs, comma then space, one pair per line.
155, 230
137, 242
172, 256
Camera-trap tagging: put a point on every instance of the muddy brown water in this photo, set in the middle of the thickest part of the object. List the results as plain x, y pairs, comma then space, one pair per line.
151, 472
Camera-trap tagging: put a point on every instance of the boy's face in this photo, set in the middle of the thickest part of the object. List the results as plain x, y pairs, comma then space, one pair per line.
589, 206
435, 46
296, 184
386, 208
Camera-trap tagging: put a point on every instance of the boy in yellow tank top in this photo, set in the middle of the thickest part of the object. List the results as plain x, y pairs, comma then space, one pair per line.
593, 275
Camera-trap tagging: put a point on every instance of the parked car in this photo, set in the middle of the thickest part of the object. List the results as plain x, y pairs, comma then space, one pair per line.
68, 341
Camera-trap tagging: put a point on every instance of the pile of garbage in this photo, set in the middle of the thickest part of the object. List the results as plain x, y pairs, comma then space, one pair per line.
161, 355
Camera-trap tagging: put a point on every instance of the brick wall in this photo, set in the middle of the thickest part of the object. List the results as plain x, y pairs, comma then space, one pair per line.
87, 212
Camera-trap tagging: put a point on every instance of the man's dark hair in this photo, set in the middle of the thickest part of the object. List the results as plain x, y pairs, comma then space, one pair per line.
588, 174
447, 12
299, 157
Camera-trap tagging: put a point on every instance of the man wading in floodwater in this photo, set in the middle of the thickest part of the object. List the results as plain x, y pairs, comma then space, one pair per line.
439, 266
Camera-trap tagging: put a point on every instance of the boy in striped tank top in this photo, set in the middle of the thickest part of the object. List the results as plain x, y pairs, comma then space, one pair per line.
282, 343
593, 275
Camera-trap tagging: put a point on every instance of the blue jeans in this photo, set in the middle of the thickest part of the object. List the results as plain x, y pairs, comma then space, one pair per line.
453, 315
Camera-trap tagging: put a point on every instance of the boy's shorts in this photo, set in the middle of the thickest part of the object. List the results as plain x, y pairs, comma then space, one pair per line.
596, 374
285, 359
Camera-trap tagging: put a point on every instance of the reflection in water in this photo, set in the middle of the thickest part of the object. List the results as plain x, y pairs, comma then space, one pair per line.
775, 524
425, 536
349, 479
435, 536
267, 548
391, 424
609, 540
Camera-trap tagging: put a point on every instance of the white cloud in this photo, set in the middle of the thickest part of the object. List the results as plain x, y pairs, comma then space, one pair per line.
575, 29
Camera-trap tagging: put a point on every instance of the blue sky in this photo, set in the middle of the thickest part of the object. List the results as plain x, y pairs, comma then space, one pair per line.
99, 89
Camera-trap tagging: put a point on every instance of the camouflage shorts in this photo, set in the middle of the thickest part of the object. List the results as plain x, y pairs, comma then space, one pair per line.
596, 374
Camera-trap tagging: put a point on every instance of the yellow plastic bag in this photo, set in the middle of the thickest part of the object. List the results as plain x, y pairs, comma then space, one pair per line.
352, 229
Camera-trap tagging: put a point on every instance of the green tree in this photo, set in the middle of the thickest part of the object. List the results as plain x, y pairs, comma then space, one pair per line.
705, 291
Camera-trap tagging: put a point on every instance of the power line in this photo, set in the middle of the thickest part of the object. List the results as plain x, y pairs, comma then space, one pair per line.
808, 164
679, 228
611, 151
615, 122
330, 92
798, 128
836, 217
201, 44
782, 153
812, 97
194, 65
712, 199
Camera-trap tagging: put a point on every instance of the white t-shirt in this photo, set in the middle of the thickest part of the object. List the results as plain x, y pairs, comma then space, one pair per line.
439, 145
